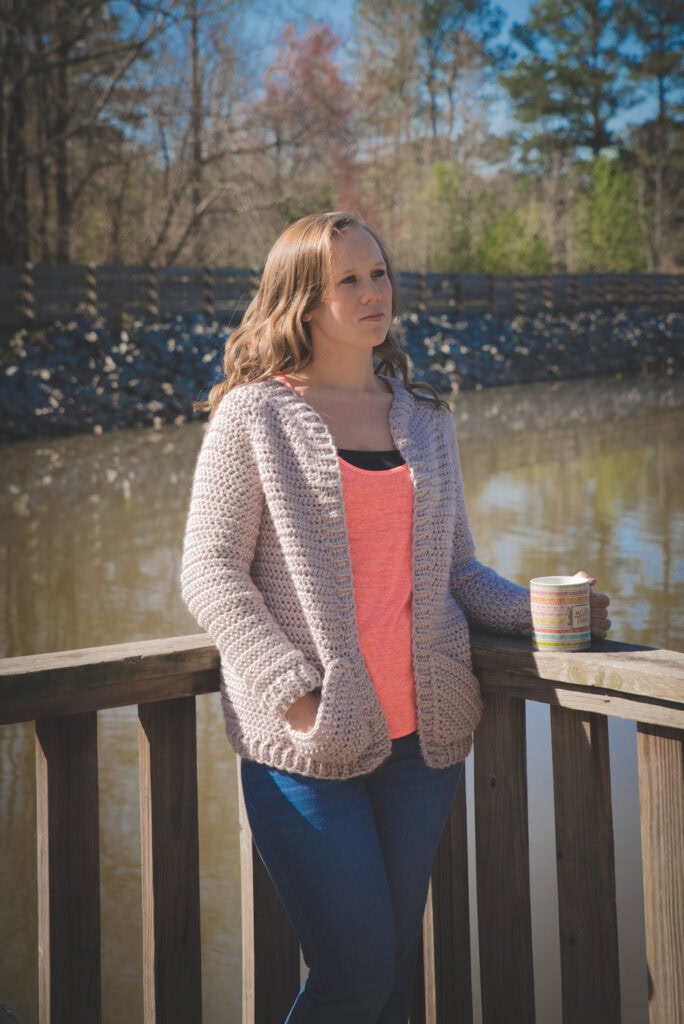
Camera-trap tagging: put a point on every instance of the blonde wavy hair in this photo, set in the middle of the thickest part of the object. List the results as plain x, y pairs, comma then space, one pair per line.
274, 337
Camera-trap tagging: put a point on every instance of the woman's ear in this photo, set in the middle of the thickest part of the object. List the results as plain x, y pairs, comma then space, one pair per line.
306, 318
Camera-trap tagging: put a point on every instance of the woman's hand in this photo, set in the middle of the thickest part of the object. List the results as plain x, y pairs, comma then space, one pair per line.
302, 714
598, 609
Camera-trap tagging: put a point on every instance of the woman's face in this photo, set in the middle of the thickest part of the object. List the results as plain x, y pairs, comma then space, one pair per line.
356, 310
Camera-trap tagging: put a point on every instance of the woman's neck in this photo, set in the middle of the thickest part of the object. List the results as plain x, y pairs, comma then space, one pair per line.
339, 375
354, 407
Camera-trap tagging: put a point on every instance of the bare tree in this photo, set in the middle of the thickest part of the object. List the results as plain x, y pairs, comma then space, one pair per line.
196, 123
63, 66
657, 29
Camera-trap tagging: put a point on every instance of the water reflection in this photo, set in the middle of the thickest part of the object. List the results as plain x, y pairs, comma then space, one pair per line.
91, 530
558, 477
607, 496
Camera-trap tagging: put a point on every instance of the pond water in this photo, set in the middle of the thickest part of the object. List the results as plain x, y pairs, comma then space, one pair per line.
558, 477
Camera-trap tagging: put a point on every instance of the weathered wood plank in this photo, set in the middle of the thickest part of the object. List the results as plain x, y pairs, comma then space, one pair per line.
172, 981
423, 1006
586, 868
661, 795
502, 864
116, 675
68, 871
616, 667
446, 941
48, 685
270, 950
583, 698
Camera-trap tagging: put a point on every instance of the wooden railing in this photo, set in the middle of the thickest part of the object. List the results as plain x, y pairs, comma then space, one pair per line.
38, 295
63, 692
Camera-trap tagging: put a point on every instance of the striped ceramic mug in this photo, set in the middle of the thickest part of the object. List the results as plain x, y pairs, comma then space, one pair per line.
560, 613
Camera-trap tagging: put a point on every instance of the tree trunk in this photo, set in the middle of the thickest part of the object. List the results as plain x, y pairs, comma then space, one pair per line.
197, 126
659, 176
116, 211
644, 226
63, 198
14, 225
44, 167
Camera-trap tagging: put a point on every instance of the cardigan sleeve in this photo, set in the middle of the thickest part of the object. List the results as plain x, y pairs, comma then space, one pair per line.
487, 599
221, 533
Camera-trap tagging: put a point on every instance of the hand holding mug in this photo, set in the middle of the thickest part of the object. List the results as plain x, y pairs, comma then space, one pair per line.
598, 608
566, 612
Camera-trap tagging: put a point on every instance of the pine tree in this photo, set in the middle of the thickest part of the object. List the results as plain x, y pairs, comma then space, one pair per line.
656, 65
570, 82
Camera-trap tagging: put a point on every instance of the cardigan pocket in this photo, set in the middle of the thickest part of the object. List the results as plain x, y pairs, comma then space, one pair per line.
456, 695
341, 729
284, 682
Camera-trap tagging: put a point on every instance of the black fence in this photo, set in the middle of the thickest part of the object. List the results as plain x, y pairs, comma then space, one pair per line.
39, 295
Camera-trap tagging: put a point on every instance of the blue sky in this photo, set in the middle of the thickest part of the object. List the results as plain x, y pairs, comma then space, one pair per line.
339, 12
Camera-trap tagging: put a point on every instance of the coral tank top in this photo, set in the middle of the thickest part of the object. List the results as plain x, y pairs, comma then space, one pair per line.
379, 512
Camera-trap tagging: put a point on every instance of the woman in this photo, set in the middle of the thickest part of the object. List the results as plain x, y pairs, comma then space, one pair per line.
328, 555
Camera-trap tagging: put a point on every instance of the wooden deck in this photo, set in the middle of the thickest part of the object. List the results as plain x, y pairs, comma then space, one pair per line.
62, 694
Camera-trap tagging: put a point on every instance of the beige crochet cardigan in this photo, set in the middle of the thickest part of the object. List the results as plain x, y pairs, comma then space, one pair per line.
266, 571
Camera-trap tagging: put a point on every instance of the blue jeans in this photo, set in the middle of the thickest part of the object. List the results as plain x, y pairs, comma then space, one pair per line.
351, 861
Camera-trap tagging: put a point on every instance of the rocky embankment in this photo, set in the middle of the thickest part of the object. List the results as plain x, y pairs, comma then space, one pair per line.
85, 376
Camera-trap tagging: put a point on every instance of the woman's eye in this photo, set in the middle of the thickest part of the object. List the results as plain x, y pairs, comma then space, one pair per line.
379, 273
349, 280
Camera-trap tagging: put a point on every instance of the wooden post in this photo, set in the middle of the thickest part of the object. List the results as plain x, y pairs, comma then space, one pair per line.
69, 990
547, 291
151, 292
574, 290
421, 292
254, 282
674, 291
503, 874
446, 936
423, 1008
491, 291
90, 305
639, 287
208, 303
586, 868
270, 950
661, 796
458, 292
519, 294
169, 836
27, 296
609, 289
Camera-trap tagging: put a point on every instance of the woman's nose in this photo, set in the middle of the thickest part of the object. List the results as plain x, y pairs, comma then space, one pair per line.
372, 291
